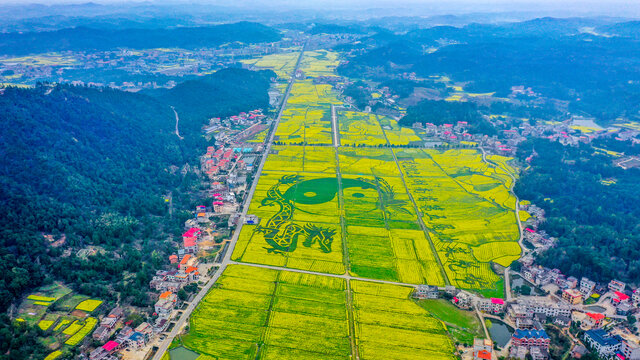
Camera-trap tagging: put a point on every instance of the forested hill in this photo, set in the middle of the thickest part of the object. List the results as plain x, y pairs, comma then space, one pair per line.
596, 222
223, 93
84, 39
83, 162
596, 74
94, 165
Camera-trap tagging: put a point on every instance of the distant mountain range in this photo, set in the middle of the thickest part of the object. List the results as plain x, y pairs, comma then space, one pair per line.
86, 39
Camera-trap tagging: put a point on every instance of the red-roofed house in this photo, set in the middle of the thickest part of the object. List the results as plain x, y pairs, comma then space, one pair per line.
190, 240
619, 298
185, 260
111, 346
482, 349
193, 273
595, 319
173, 258
493, 305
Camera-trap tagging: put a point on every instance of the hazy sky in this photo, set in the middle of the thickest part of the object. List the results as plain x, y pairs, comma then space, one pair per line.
629, 8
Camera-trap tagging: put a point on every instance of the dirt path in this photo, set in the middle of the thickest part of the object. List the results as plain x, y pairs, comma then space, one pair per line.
177, 123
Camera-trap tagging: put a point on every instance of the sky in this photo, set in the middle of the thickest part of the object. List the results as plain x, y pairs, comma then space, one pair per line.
629, 8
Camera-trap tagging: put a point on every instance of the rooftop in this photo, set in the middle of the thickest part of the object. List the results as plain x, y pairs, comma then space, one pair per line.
528, 334
602, 337
110, 345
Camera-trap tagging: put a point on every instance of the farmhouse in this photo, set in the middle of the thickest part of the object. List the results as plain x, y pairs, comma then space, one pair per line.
615, 285
586, 287
482, 349
619, 298
165, 304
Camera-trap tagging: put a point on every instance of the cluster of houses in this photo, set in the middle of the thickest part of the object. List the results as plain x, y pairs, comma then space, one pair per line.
127, 337
528, 315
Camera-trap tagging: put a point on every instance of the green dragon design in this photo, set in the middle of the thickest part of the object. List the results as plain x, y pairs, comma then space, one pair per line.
282, 235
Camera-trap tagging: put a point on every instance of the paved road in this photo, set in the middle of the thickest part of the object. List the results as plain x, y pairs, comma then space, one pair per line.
334, 123
227, 258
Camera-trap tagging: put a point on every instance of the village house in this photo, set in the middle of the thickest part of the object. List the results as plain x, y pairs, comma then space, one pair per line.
463, 300
630, 345
586, 287
107, 324
624, 309
602, 342
545, 307
160, 325
426, 292
615, 285
136, 340
124, 334
620, 298
165, 304
188, 260
105, 351
190, 240
492, 305
531, 338
572, 296
482, 349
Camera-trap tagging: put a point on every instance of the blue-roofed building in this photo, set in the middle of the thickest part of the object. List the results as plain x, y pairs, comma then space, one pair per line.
531, 338
602, 342
136, 340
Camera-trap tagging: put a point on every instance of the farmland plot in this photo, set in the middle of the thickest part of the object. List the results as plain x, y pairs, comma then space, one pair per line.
280, 314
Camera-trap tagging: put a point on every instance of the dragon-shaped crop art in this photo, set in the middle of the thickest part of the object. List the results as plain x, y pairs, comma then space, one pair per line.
282, 234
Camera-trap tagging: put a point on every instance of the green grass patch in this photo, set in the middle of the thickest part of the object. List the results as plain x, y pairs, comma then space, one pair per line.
463, 326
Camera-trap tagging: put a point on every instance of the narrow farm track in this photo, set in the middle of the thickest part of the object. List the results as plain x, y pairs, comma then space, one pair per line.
227, 258
507, 279
416, 208
341, 276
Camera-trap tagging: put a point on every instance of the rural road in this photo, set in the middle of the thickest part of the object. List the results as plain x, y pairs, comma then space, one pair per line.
227, 258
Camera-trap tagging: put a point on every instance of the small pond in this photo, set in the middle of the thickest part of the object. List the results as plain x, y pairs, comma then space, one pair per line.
500, 332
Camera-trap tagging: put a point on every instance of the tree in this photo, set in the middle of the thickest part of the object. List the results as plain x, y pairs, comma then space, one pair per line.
182, 295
